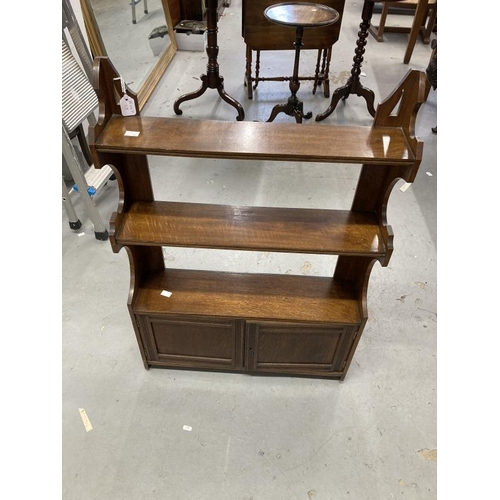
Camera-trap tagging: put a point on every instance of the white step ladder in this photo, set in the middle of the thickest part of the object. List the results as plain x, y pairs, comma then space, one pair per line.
79, 101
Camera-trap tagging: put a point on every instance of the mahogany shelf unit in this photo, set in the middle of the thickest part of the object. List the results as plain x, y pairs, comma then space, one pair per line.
245, 322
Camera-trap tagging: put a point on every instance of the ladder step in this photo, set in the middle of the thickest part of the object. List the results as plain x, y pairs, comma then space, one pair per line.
96, 179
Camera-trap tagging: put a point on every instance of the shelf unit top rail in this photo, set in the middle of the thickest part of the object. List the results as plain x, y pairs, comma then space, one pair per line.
254, 141
390, 141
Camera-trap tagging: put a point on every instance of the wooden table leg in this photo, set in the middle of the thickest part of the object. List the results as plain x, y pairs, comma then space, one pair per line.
294, 107
212, 78
415, 28
248, 73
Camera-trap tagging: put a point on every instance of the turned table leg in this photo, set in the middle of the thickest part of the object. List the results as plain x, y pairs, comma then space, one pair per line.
212, 79
293, 107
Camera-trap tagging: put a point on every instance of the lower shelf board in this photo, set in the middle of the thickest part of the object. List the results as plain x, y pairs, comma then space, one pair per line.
250, 296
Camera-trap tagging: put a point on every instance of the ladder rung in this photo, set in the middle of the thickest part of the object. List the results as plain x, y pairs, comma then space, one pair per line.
96, 178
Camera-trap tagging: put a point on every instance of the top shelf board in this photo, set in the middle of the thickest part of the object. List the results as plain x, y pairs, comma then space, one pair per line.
255, 141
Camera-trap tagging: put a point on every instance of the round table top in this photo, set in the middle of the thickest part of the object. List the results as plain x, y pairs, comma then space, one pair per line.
301, 14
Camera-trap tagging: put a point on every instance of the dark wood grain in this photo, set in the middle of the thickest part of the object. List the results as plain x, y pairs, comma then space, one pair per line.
295, 348
251, 228
202, 342
255, 141
303, 14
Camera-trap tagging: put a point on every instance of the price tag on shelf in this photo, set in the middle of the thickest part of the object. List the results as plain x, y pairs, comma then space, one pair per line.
127, 105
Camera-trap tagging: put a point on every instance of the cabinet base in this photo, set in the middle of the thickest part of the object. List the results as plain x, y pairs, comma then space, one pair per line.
239, 345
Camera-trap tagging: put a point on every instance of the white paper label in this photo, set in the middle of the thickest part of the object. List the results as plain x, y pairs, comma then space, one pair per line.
127, 106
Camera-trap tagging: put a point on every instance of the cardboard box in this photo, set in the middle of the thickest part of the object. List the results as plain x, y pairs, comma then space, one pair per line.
191, 35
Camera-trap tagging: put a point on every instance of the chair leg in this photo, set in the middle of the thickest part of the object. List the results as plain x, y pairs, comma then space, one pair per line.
430, 24
420, 15
383, 18
378, 31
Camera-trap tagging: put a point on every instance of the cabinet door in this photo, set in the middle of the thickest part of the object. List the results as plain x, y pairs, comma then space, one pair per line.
192, 342
295, 348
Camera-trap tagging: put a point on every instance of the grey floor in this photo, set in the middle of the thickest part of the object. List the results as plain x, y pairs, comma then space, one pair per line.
372, 436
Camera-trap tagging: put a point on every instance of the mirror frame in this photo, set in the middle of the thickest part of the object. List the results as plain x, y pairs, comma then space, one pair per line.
98, 48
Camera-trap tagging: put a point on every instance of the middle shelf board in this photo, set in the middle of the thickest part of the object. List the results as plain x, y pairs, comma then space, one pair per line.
248, 296
316, 231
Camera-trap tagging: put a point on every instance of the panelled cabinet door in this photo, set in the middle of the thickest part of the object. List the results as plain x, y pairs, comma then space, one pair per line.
196, 342
302, 349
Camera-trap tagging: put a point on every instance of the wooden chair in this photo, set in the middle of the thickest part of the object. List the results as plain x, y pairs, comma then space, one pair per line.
425, 29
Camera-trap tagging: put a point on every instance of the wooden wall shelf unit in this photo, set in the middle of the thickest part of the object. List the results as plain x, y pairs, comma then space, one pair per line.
243, 322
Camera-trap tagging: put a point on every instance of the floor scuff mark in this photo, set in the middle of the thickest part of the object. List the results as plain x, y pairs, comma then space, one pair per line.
428, 454
403, 297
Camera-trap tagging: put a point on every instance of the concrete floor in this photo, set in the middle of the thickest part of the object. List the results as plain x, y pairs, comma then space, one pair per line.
258, 438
